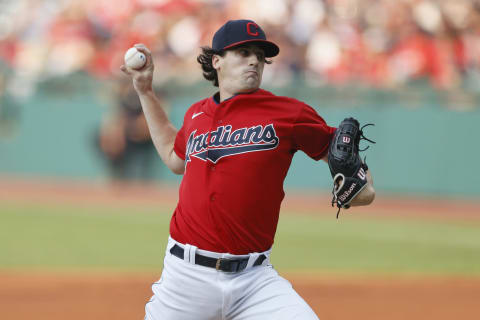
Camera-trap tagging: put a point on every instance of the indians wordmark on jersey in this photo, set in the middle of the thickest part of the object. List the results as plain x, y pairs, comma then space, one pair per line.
224, 142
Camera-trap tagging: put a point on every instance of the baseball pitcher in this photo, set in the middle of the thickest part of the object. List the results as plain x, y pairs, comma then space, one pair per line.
234, 150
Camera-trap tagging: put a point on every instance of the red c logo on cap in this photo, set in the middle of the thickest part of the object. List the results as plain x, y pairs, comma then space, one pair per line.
252, 29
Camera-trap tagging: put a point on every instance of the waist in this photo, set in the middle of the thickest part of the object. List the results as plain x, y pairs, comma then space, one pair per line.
225, 262
237, 232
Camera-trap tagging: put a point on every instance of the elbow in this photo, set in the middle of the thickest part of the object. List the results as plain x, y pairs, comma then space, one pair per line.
177, 167
174, 163
178, 171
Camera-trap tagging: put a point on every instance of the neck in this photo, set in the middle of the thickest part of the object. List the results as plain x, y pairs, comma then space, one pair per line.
227, 94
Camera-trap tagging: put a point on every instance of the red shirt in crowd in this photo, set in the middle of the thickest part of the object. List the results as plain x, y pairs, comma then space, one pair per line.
237, 154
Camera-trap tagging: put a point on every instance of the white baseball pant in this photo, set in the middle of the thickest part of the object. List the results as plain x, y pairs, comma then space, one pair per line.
188, 291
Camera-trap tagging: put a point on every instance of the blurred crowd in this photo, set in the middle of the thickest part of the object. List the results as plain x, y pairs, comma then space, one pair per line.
123, 140
378, 43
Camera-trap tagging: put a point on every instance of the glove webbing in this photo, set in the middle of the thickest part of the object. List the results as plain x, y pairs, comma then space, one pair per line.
362, 137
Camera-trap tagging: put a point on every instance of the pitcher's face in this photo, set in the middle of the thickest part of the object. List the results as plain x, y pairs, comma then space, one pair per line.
240, 69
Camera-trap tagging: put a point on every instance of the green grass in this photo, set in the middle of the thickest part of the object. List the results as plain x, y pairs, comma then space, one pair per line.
81, 237
356, 245
91, 238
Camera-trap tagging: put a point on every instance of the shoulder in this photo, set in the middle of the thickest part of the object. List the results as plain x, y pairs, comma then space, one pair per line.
197, 107
292, 104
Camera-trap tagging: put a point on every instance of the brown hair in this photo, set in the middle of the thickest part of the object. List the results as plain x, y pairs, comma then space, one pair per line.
205, 60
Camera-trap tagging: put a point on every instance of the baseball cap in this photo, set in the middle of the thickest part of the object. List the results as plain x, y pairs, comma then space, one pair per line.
237, 32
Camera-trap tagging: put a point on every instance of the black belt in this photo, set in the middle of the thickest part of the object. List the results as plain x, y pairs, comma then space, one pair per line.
221, 264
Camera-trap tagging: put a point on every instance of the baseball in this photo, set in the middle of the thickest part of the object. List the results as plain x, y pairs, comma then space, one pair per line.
134, 59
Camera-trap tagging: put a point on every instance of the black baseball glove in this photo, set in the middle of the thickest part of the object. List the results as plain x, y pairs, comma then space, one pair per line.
347, 168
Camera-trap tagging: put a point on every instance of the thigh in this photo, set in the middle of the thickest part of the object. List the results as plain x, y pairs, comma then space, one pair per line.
265, 295
184, 292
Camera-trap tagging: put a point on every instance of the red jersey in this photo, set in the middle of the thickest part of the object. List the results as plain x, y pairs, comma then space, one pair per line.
237, 154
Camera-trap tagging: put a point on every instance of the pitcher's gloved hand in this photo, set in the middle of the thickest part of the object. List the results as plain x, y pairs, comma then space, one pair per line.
347, 168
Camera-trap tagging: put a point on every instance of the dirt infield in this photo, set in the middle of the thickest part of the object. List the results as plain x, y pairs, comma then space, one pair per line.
122, 296
90, 295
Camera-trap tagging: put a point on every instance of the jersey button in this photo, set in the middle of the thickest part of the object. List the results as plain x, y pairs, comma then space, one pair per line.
212, 197
212, 168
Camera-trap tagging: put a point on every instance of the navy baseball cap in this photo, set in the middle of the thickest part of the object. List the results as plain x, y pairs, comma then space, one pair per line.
238, 32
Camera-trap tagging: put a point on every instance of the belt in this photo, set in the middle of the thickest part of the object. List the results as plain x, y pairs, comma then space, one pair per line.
221, 264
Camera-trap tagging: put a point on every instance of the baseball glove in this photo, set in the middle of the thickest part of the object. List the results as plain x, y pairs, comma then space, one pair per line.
347, 168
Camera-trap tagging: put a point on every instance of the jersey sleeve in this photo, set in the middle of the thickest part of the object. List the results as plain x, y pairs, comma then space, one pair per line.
311, 134
180, 143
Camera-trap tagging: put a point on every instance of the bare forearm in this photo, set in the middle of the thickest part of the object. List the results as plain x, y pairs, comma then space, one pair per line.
162, 131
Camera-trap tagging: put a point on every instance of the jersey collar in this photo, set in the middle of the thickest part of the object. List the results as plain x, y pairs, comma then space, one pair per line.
216, 96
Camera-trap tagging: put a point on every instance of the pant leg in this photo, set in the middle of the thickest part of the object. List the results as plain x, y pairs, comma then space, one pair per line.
262, 294
185, 292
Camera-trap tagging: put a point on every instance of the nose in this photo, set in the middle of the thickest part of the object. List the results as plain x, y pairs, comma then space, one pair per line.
253, 60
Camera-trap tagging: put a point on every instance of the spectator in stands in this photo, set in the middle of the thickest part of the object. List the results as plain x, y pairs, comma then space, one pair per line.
380, 43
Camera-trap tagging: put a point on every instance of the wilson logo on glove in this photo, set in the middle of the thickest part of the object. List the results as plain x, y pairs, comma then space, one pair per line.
347, 168
362, 174
344, 196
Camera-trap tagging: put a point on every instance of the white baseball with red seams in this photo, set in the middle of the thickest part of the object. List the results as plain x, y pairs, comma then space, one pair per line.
134, 59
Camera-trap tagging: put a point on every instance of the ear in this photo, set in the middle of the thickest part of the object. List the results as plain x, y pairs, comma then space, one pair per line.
216, 61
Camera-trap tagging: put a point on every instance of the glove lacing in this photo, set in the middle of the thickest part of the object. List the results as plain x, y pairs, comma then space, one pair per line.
337, 186
362, 137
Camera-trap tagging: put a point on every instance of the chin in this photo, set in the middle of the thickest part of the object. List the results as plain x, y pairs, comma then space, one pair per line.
252, 84
249, 89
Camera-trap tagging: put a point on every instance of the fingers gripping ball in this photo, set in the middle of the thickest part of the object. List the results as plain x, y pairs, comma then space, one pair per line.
134, 59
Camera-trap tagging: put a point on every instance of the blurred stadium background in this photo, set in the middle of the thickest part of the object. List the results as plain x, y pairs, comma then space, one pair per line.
83, 192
